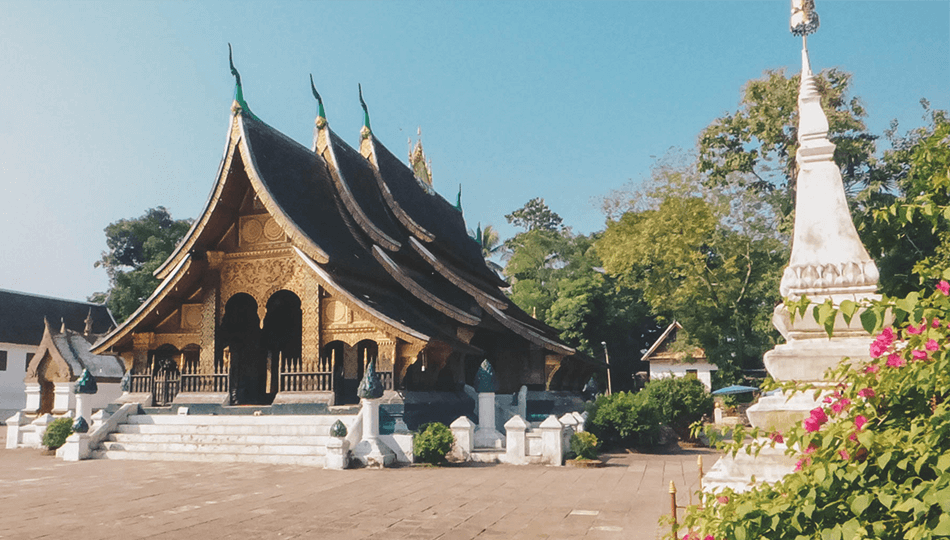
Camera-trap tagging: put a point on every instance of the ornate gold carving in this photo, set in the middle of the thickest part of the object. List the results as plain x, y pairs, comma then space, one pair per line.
272, 230
191, 316
336, 312
260, 229
251, 230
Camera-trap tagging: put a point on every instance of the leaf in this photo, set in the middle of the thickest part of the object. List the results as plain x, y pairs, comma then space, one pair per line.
908, 303
870, 320
848, 309
943, 526
860, 503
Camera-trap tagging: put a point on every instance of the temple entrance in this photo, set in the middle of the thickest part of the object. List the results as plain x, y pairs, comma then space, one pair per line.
166, 377
47, 386
281, 336
241, 339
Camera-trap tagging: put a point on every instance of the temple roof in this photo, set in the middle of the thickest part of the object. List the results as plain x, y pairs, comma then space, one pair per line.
74, 350
364, 224
21, 316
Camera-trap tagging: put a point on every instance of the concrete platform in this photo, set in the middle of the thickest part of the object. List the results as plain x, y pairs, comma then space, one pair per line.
44, 497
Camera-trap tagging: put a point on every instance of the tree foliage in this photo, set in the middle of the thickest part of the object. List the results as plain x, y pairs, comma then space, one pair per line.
873, 457
136, 247
708, 257
490, 244
535, 215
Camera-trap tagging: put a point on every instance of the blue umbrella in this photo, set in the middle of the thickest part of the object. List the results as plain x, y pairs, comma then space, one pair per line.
734, 389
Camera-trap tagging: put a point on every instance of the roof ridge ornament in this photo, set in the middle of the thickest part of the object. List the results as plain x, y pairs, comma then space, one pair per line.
366, 131
321, 114
239, 102
458, 199
804, 19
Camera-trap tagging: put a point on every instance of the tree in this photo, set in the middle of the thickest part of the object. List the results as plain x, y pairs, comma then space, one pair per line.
758, 142
557, 276
707, 257
136, 248
535, 214
907, 229
490, 244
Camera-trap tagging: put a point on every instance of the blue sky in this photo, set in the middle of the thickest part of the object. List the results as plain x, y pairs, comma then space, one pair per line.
110, 108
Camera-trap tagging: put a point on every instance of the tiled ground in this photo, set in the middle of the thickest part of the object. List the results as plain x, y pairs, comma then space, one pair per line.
43, 497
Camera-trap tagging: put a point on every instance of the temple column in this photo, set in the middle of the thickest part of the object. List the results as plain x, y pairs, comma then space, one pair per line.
141, 344
310, 322
209, 317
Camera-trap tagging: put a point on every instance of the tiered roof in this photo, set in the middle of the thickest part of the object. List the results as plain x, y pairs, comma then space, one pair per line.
365, 224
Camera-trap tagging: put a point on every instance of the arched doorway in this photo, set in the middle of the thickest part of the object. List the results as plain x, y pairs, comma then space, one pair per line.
165, 375
344, 372
241, 337
45, 373
281, 335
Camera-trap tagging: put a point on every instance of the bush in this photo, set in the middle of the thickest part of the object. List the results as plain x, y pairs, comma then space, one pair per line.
679, 401
432, 443
56, 433
623, 419
584, 445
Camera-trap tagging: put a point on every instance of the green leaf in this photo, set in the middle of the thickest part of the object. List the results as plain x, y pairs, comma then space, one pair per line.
909, 303
860, 503
943, 526
871, 320
848, 309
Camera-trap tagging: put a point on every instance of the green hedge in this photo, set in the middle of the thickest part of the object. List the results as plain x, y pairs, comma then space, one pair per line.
56, 433
432, 443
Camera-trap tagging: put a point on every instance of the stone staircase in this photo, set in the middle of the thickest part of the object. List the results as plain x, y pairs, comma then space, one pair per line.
282, 439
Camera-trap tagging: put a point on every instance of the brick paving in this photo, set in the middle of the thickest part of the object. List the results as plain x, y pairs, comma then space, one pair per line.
44, 497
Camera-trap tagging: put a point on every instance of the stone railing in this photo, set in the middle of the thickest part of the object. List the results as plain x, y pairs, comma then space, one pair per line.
546, 445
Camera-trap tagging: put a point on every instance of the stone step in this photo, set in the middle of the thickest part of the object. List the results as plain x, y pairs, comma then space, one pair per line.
217, 448
215, 438
312, 461
219, 429
242, 420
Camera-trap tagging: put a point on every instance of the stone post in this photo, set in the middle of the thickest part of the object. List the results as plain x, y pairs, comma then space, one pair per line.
13, 429
39, 429
32, 397
463, 431
552, 441
371, 451
581, 420
570, 428
523, 402
486, 436
516, 447
337, 448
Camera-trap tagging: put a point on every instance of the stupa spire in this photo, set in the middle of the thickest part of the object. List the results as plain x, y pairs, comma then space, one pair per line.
828, 259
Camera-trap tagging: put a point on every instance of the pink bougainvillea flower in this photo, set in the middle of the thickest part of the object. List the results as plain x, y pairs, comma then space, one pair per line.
944, 287
935, 323
777, 437
872, 368
844, 454
709, 537
887, 335
853, 437
859, 421
815, 420
932, 345
915, 330
840, 405
894, 360
866, 393
918, 354
878, 349
722, 499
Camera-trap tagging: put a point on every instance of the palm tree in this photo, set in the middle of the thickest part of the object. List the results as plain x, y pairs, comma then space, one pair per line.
490, 244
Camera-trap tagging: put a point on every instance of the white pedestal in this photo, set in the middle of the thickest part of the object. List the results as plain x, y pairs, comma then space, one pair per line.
486, 436
337, 453
370, 451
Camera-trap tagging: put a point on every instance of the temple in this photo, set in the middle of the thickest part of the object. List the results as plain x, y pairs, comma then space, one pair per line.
307, 263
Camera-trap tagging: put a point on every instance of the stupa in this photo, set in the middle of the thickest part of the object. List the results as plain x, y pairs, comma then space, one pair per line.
828, 261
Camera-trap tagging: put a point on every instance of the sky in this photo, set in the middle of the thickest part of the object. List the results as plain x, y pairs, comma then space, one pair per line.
108, 109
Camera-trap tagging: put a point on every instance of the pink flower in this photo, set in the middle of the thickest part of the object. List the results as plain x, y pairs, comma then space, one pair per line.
944, 287
815, 420
887, 335
722, 499
709, 537
777, 437
804, 462
932, 345
911, 329
844, 454
872, 368
918, 354
859, 421
866, 393
894, 360
840, 405
935, 323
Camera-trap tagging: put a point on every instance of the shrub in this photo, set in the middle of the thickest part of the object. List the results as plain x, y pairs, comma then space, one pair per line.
584, 445
432, 443
679, 401
874, 454
56, 433
623, 419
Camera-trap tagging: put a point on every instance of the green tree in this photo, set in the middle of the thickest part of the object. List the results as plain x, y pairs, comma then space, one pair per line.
535, 214
905, 224
490, 243
707, 257
557, 276
136, 247
756, 144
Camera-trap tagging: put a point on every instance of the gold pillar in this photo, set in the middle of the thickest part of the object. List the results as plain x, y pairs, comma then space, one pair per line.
209, 317
141, 344
310, 321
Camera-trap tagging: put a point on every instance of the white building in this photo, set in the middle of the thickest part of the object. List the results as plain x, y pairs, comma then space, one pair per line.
669, 358
21, 332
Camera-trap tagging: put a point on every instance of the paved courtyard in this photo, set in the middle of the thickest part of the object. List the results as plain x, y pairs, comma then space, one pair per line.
44, 497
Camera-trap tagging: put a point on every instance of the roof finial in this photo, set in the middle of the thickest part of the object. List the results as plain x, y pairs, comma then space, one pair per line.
458, 199
321, 115
238, 91
804, 19
367, 130
88, 331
